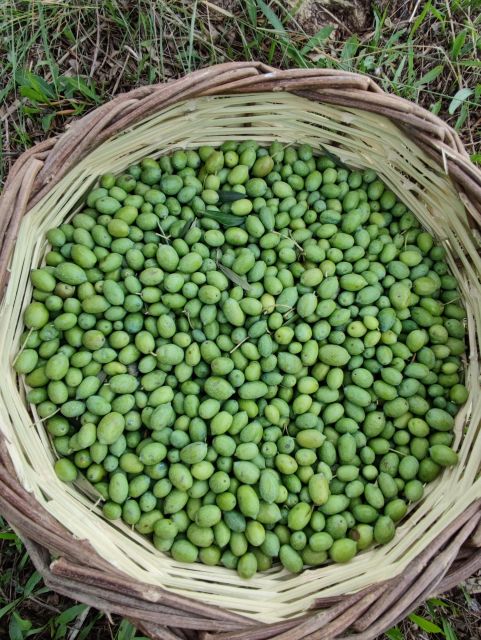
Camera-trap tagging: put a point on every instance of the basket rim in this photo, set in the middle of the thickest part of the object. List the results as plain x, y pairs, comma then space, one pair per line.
38, 169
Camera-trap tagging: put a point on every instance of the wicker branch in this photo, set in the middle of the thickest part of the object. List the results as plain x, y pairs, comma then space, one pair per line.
78, 570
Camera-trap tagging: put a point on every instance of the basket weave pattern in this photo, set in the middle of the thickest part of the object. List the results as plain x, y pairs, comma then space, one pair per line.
74, 567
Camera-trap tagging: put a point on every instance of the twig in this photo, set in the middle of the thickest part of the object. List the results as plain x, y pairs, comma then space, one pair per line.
272, 306
120, 74
453, 34
34, 424
239, 344
162, 234
411, 17
210, 5
22, 347
186, 312
288, 236
97, 45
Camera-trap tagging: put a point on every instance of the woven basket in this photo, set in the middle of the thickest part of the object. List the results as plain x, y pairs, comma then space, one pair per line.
114, 569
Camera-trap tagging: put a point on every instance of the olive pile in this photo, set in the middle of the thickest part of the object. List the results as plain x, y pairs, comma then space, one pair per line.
252, 353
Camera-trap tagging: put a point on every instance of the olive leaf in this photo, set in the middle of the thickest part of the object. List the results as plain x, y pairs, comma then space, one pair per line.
337, 161
225, 219
230, 196
133, 369
242, 282
234, 277
187, 227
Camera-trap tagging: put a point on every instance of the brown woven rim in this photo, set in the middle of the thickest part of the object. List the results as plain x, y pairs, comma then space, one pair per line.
77, 570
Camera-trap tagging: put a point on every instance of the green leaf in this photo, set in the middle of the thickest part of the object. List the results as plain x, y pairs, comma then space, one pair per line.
424, 624
70, 86
463, 115
436, 602
436, 107
32, 582
397, 35
191, 35
457, 44
23, 623
8, 536
458, 98
47, 121
8, 607
368, 63
449, 632
431, 75
411, 73
187, 226
476, 159
379, 20
394, 634
225, 219
440, 17
234, 277
42, 87
25, 559
14, 630
27, 79
230, 196
337, 161
69, 35
86, 90
70, 614
319, 38
31, 94
36, 631
399, 70
349, 51
297, 57
251, 12
420, 19
271, 17
60, 632
18, 627
85, 631
126, 631
431, 609
469, 63
30, 111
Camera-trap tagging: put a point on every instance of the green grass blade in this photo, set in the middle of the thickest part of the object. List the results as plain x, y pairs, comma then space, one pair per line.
424, 624
430, 76
459, 98
271, 17
319, 38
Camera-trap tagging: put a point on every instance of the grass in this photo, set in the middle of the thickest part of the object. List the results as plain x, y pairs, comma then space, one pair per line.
452, 617
60, 59
29, 609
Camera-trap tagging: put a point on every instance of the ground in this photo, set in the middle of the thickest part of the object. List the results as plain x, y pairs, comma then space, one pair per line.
59, 59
